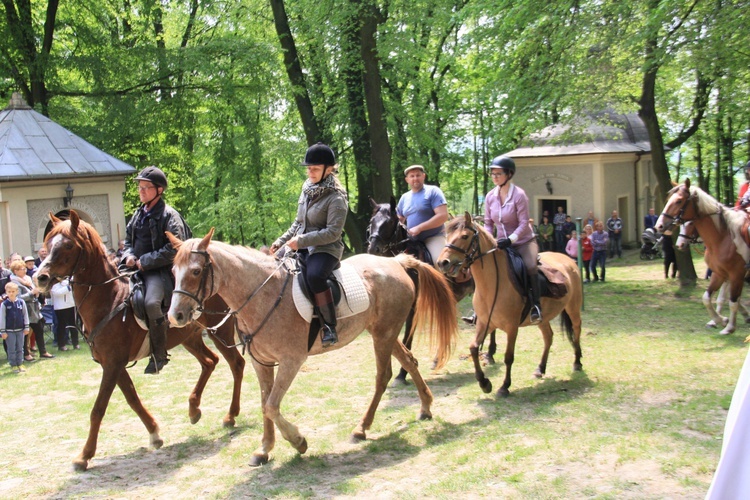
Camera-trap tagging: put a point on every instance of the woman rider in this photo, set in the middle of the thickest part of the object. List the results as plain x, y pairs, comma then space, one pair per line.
506, 210
316, 232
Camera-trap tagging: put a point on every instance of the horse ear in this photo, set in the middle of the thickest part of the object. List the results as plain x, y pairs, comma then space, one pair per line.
393, 204
173, 240
373, 203
468, 220
55, 220
687, 182
203, 245
74, 220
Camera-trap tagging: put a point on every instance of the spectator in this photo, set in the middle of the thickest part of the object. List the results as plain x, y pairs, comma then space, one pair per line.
29, 294
30, 267
120, 249
568, 228
65, 312
546, 234
590, 219
588, 250
649, 221
559, 221
614, 229
599, 240
14, 326
41, 255
571, 248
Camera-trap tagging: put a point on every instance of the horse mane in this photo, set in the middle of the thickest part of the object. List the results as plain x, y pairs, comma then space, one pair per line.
184, 248
707, 204
86, 237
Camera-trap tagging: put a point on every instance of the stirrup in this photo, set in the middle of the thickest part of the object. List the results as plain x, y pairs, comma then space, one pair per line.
154, 366
535, 316
470, 320
328, 336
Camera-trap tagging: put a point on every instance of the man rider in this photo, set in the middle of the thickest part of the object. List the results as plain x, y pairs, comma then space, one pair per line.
148, 250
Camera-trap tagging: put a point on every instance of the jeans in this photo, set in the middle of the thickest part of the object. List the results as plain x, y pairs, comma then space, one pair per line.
615, 245
600, 256
15, 347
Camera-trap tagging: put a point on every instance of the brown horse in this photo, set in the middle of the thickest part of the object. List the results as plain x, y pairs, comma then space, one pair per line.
76, 250
255, 287
498, 304
726, 252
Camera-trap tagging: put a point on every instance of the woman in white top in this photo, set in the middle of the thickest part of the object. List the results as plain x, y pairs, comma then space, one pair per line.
65, 312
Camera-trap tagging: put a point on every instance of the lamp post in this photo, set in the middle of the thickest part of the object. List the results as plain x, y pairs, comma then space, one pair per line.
68, 196
549, 186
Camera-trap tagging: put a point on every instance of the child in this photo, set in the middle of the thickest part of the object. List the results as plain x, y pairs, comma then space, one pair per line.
571, 248
14, 324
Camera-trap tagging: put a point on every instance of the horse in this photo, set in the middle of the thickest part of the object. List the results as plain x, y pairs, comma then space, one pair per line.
387, 237
499, 305
254, 286
721, 230
113, 334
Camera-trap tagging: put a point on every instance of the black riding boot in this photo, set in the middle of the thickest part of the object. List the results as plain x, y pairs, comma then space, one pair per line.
158, 335
327, 313
535, 315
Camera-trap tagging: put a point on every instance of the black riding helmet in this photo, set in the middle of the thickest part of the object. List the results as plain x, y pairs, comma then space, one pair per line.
319, 154
153, 175
504, 162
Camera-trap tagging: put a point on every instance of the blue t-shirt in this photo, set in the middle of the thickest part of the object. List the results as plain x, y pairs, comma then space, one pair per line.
420, 207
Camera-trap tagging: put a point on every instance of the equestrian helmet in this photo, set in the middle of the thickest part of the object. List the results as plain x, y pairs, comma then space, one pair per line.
319, 154
154, 175
504, 162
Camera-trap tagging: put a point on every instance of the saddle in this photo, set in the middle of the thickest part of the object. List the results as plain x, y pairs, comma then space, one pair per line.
551, 281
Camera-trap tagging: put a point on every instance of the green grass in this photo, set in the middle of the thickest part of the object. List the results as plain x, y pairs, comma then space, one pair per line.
643, 420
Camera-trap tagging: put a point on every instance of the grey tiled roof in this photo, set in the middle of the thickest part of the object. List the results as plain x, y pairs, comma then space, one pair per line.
605, 133
34, 147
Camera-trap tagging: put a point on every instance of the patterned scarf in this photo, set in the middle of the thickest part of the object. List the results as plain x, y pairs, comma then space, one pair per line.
314, 191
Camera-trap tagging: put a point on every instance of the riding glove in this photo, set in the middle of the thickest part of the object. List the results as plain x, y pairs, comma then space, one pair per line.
503, 243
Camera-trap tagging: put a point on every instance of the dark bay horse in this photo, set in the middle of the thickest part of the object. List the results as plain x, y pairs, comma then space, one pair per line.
498, 304
720, 228
387, 237
76, 250
254, 286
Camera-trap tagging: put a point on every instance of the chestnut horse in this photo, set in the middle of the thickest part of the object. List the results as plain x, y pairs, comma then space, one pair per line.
386, 236
720, 229
76, 250
498, 304
254, 285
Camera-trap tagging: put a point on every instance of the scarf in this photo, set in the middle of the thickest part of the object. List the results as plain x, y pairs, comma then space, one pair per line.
314, 191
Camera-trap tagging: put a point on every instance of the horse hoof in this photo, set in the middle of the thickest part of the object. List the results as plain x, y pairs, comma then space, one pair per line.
538, 373
486, 386
503, 392
577, 367
487, 359
80, 465
258, 459
194, 419
726, 331
228, 422
357, 437
302, 448
399, 382
711, 324
424, 415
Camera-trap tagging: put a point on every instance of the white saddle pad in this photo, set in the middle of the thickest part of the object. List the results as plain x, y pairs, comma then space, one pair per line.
354, 297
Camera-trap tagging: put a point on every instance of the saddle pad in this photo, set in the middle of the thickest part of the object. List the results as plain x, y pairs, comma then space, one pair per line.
354, 297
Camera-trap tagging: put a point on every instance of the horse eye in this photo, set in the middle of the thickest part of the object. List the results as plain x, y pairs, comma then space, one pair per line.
196, 272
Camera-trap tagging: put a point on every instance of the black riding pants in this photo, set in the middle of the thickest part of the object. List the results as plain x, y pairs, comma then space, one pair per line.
317, 267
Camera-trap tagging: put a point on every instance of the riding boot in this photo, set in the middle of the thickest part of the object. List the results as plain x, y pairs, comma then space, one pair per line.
535, 316
326, 310
470, 319
158, 334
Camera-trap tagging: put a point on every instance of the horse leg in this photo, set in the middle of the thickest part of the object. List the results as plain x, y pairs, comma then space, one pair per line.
265, 381
287, 370
547, 334
716, 319
408, 338
575, 337
407, 360
510, 349
236, 365
208, 360
109, 379
484, 382
382, 376
734, 306
125, 383
489, 358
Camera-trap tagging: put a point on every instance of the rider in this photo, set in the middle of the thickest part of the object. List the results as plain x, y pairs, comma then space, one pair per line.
316, 232
424, 210
148, 250
506, 210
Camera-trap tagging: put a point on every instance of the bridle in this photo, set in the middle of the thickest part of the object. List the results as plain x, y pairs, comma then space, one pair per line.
472, 253
676, 220
206, 270
390, 245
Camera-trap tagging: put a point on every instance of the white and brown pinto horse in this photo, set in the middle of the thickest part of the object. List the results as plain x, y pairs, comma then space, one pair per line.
720, 228
497, 303
255, 287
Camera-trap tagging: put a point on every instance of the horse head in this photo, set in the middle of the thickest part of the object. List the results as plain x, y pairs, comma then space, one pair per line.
73, 247
466, 242
385, 233
688, 234
194, 278
678, 208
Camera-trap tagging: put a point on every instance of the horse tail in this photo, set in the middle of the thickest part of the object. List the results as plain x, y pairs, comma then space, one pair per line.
567, 325
435, 305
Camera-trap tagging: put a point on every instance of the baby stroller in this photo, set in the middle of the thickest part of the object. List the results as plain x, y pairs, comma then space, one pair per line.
651, 245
